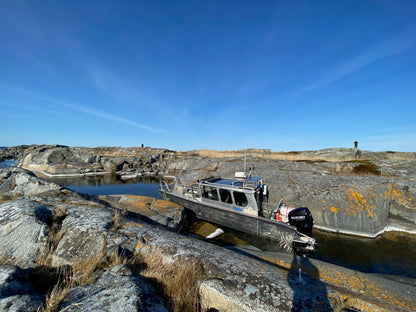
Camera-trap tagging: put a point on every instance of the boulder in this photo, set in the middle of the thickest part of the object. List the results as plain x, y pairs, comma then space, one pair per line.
16, 182
53, 160
116, 290
24, 230
84, 232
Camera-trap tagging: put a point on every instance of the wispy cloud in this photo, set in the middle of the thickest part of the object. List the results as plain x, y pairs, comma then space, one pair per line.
104, 115
79, 108
394, 46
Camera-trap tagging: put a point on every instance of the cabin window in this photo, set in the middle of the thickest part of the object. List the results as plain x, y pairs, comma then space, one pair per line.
209, 192
225, 196
240, 199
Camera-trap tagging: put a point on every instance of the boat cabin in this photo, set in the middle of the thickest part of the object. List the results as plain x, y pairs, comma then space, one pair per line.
242, 194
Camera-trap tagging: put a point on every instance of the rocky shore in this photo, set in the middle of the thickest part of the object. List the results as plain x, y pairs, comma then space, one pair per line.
348, 190
62, 251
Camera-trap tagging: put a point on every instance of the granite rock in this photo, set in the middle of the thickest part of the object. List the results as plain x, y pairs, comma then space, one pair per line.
24, 230
116, 290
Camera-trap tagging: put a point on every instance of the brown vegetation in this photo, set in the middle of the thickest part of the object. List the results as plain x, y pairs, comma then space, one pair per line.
55, 235
366, 168
175, 282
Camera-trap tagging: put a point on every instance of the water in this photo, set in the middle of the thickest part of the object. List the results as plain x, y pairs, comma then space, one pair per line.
110, 184
389, 254
392, 253
8, 163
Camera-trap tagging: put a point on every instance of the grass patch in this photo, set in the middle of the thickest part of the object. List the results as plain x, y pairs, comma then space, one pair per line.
58, 292
176, 282
117, 219
366, 168
54, 237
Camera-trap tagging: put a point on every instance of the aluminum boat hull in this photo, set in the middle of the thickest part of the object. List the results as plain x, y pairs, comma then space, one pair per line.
252, 224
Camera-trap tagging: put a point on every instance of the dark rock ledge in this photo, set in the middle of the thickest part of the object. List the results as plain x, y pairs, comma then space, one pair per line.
49, 233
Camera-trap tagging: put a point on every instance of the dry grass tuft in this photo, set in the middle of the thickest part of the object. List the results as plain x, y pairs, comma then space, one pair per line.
366, 168
57, 294
55, 235
45, 257
176, 282
5, 259
118, 219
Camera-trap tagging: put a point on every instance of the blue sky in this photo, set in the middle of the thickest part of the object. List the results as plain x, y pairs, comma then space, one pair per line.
184, 75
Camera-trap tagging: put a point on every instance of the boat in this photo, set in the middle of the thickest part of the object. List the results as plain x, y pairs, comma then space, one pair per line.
241, 203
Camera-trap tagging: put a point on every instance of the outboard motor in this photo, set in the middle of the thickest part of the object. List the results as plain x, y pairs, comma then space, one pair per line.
301, 218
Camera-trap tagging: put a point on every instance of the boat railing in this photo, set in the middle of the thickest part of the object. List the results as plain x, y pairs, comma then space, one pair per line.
164, 186
179, 182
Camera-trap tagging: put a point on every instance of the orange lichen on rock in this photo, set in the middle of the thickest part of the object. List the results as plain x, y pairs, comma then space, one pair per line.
400, 197
135, 202
359, 203
357, 283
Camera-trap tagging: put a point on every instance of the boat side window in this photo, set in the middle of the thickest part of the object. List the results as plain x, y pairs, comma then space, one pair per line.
225, 196
240, 199
209, 192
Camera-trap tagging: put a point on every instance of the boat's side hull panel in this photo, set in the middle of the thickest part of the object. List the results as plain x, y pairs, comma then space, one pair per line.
259, 226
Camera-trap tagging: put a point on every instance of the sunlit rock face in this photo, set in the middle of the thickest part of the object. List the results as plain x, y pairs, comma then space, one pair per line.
23, 230
16, 182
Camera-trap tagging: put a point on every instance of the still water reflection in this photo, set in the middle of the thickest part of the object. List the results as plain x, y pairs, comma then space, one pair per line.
391, 253
110, 184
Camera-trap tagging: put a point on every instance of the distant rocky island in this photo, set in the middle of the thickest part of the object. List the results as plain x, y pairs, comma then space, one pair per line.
63, 251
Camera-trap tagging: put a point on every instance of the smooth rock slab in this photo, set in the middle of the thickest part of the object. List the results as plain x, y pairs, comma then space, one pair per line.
150, 210
15, 182
84, 234
116, 290
23, 230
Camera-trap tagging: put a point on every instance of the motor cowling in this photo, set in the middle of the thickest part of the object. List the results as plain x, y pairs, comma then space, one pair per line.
302, 219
